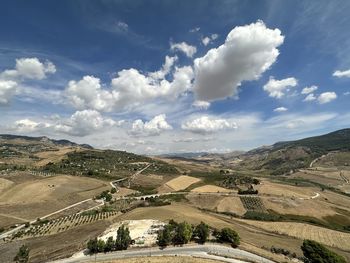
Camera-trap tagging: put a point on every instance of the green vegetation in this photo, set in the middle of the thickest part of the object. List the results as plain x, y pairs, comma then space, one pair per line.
181, 233
105, 195
253, 203
228, 235
235, 180
123, 238
107, 164
201, 232
316, 253
249, 191
22, 255
122, 242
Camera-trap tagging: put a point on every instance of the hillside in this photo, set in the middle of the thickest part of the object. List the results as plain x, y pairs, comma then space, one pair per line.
42, 154
284, 157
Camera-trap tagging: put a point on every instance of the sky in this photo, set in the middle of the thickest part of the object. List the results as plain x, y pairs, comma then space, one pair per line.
156, 77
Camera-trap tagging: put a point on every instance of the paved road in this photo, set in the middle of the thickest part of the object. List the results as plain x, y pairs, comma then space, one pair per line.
210, 251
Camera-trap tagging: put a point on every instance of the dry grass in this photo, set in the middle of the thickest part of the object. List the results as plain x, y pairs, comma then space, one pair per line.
204, 201
231, 205
53, 156
182, 182
5, 184
211, 189
304, 231
285, 205
37, 197
274, 189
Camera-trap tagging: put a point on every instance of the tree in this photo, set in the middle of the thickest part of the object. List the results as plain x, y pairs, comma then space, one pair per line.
183, 233
165, 236
316, 253
101, 245
109, 244
92, 246
123, 238
113, 190
22, 255
202, 232
230, 236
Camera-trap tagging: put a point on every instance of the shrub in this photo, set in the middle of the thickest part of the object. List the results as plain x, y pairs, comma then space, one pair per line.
22, 255
228, 235
316, 253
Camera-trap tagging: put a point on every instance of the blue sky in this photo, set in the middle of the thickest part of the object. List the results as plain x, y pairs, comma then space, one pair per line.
174, 76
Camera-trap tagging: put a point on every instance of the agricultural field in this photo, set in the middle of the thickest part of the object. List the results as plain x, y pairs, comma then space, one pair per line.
325, 236
232, 205
253, 203
65, 223
211, 189
181, 182
28, 197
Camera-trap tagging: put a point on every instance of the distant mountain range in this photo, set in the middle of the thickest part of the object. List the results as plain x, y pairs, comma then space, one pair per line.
42, 139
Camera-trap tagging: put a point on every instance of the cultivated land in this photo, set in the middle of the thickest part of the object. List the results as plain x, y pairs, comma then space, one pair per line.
59, 180
182, 182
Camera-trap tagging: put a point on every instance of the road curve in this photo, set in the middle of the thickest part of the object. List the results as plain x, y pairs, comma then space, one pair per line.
210, 251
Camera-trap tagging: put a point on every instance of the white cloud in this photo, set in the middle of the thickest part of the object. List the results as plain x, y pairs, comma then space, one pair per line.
209, 39
151, 128
310, 97
206, 41
87, 93
277, 88
130, 88
27, 125
187, 49
206, 124
85, 122
8, 89
166, 68
326, 97
308, 90
200, 104
347, 93
280, 109
29, 68
247, 53
342, 74
26, 68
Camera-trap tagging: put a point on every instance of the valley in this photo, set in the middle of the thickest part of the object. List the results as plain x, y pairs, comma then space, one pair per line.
56, 200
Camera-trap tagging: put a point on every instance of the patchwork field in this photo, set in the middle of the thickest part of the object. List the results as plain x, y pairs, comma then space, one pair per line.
39, 196
181, 182
325, 236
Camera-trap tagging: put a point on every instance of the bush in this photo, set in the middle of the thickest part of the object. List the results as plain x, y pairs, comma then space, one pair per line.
228, 235
22, 255
316, 253
113, 190
201, 232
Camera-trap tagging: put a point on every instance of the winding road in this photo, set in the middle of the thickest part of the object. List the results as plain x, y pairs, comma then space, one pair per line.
210, 251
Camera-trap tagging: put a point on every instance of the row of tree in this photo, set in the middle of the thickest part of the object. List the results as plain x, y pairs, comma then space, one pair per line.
181, 233
122, 242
